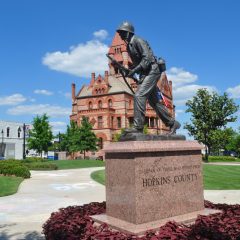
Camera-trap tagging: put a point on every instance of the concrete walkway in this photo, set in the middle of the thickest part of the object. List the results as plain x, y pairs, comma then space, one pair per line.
23, 214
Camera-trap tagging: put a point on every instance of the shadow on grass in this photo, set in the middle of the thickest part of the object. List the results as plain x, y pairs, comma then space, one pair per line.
4, 235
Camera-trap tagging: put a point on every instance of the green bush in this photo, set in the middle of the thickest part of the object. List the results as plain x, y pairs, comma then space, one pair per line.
34, 159
41, 166
11, 167
223, 159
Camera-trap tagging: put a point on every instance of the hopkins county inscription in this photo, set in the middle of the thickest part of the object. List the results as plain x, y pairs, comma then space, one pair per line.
171, 178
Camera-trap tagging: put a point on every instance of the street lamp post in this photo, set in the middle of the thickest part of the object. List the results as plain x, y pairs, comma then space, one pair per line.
2, 147
24, 141
2, 135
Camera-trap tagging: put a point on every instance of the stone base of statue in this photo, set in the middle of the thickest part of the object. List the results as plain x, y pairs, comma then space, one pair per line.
149, 183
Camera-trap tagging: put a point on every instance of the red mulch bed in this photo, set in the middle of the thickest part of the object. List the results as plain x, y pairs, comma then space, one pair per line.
74, 223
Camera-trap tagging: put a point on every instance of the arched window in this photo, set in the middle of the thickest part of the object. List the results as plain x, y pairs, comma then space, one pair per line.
110, 103
8, 131
100, 104
90, 105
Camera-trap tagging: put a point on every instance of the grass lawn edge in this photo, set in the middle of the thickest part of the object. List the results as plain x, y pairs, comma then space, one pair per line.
10, 185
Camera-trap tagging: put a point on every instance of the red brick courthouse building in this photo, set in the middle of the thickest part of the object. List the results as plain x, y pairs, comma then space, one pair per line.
108, 102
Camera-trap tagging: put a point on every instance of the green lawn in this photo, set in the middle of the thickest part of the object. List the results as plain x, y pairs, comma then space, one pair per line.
221, 177
71, 164
9, 185
99, 176
215, 177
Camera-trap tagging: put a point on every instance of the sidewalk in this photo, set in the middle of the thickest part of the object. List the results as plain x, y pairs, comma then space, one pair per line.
23, 214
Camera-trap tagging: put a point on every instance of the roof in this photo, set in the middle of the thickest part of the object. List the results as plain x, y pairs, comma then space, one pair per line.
116, 85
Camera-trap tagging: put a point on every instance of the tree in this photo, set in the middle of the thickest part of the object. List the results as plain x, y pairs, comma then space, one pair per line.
40, 136
210, 112
88, 139
79, 139
220, 138
234, 144
71, 140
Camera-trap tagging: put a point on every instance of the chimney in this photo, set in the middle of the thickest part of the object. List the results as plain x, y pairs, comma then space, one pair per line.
73, 91
92, 79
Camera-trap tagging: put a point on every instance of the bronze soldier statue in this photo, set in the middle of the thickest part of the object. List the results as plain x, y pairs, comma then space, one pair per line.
144, 64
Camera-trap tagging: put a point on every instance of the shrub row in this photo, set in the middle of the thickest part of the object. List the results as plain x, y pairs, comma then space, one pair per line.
9, 168
74, 223
20, 168
222, 159
34, 159
41, 166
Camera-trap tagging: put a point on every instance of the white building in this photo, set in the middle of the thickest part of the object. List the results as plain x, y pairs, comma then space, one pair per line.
12, 139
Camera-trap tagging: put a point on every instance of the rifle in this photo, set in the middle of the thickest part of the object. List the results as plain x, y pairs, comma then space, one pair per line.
124, 71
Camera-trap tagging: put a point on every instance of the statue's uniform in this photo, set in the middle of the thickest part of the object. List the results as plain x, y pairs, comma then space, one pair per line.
144, 60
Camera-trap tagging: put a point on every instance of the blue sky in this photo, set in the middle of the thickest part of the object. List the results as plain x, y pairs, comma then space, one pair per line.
47, 45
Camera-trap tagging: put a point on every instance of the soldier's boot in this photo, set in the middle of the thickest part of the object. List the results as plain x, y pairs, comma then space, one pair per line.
133, 130
176, 125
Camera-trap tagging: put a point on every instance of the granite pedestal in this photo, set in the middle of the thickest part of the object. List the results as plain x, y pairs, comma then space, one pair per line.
151, 182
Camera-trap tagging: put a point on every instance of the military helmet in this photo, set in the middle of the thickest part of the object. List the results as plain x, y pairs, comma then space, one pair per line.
126, 26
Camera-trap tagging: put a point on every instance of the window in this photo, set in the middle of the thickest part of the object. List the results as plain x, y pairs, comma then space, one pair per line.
112, 122
100, 122
110, 103
130, 121
90, 105
119, 125
100, 143
100, 104
19, 132
8, 131
152, 122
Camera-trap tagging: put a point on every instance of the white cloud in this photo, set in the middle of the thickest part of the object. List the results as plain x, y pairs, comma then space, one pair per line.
183, 87
68, 95
234, 92
80, 60
39, 109
178, 111
180, 77
43, 92
58, 127
58, 124
13, 99
101, 34
184, 93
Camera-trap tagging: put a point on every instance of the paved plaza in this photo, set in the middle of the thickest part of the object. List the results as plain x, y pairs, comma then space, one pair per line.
22, 214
